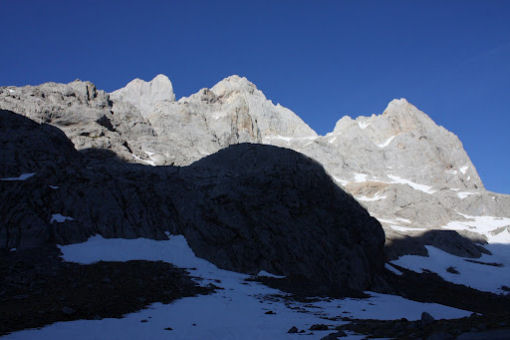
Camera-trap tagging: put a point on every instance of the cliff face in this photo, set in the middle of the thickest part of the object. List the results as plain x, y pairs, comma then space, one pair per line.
246, 208
411, 174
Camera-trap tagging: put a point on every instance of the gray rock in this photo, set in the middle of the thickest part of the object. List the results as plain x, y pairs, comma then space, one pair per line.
426, 319
292, 330
411, 174
246, 208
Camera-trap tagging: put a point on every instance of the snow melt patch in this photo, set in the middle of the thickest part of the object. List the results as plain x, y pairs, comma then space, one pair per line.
393, 269
341, 181
288, 139
464, 194
363, 125
496, 229
386, 142
421, 187
60, 218
268, 274
360, 177
464, 169
483, 277
376, 197
149, 162
405, 229
22, 177
235, 312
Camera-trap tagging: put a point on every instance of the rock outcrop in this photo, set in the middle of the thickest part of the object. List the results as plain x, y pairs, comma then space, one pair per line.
411, 174
246, 208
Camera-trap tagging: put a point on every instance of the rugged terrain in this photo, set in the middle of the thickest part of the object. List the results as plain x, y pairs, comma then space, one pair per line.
247, 208
138, 164
411, 174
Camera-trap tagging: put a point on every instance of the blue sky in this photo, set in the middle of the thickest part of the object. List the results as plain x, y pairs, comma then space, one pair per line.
322, 59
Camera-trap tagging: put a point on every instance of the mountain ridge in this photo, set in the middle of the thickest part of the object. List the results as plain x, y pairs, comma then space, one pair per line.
410, 173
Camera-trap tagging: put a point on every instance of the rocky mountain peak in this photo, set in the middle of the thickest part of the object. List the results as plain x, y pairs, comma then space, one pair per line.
145, 95
235, 84
402, 116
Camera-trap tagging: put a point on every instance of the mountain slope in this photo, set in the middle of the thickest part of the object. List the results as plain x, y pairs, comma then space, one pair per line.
411, 174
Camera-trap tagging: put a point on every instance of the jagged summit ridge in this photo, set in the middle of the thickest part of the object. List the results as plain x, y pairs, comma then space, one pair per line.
145, 95
408, 171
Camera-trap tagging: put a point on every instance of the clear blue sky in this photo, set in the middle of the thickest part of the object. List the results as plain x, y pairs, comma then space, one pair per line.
322, 59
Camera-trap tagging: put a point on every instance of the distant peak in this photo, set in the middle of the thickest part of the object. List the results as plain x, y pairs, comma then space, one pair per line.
145, 94
160, 79
400, 106
232, 84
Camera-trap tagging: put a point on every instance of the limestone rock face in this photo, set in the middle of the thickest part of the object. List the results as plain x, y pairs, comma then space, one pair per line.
411, 174
272, 208
145, 95
84, 113
247, 208
273, 120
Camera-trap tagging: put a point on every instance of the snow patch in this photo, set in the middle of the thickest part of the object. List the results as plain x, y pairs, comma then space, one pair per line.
60, 218
386, 142
479, 276
235, 312
54, 187
22, 177
393, 269
464, 194
464, 169
146, 161
289, 139
360, 177
267, 274
421, 187
341, 181
405, 229
376, 197
490, 226
363, 125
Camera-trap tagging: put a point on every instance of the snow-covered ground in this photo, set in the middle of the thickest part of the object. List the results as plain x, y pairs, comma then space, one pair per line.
235, 312
496, 229
481, 276
484, 277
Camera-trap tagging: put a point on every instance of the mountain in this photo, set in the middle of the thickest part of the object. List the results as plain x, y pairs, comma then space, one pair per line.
102, 194
411, 174
246, 208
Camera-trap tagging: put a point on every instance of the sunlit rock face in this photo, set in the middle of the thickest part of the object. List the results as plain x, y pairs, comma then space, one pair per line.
410, 173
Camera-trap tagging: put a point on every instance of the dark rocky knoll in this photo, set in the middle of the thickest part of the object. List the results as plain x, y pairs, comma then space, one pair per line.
247, 208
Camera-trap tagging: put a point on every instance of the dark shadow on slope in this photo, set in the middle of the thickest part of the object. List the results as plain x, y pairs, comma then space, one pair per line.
449, 241
428, 286
37, 288
246, 208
